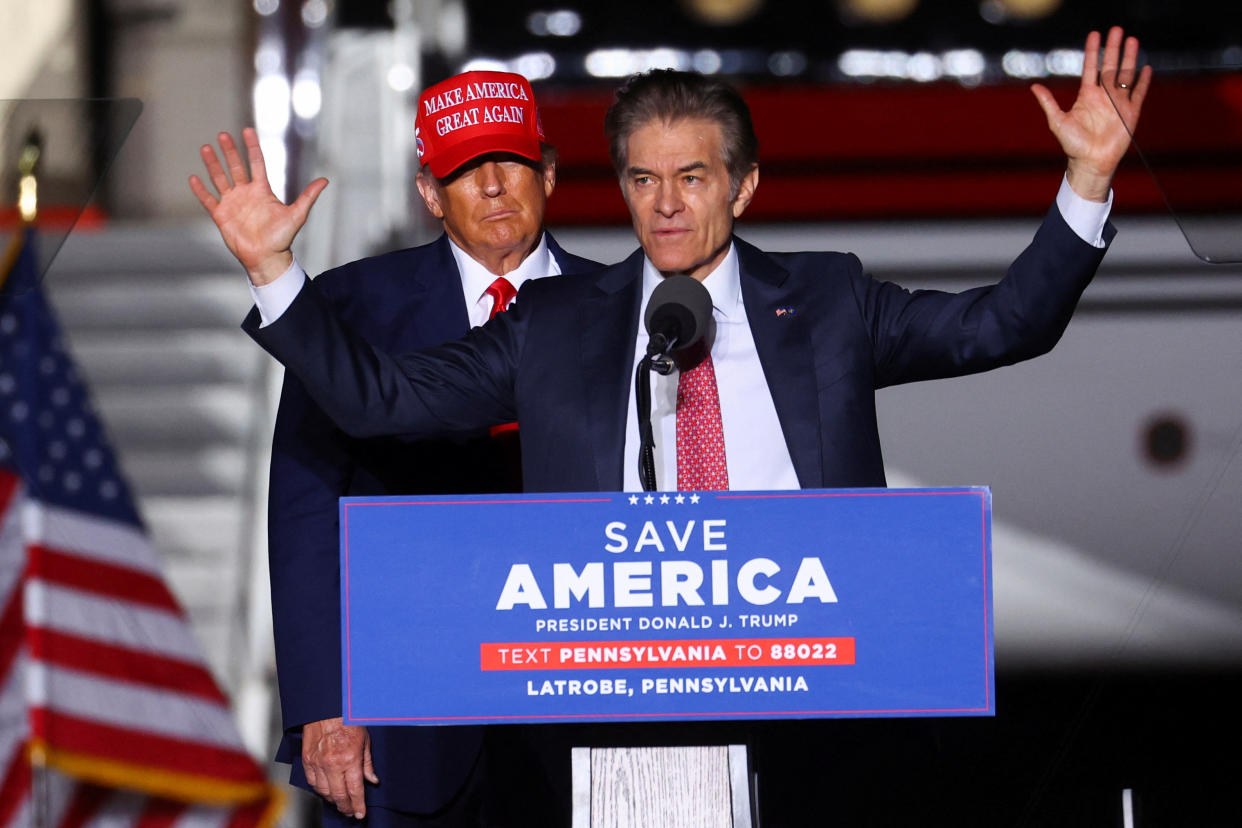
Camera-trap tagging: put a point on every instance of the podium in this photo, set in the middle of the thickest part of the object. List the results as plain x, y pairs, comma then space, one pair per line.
690, 787
666, 607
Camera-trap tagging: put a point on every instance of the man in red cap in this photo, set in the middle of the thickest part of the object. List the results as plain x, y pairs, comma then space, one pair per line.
486, 174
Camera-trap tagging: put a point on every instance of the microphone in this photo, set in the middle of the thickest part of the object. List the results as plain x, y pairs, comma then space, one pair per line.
677, 315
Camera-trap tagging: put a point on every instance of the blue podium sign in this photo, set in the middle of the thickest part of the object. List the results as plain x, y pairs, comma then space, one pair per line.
666, 606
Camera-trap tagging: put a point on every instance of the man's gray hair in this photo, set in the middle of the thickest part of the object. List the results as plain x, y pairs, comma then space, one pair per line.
668, 96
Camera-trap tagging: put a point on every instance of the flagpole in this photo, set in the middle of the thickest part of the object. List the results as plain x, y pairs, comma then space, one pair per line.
27, 201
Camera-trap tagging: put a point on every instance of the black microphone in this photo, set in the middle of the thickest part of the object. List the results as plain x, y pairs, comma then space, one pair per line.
677, 315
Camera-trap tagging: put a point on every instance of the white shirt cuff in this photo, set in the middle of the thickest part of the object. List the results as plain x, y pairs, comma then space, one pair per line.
1085, 218
274, 298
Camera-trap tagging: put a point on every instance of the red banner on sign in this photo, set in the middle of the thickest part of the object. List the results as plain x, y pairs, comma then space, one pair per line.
622, 655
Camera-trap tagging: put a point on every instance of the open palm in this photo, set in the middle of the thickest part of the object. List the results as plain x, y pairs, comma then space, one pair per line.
1095, 132
257, 227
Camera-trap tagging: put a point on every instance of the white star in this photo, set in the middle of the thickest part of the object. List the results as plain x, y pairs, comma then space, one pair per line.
664, 500
681, 498
694, 498
648, 500
633, 500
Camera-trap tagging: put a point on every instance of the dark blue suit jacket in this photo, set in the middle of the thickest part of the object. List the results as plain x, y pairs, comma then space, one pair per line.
560, 362
400, 301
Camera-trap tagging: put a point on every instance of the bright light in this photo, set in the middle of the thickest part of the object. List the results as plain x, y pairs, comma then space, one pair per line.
706, 61
616, 63
314, 13
1065, 61
564, 23
611, 63
271, 104
1019, 64
266, 7
535, 65
964, 63
485, 64
401, 77
560, 23
276, 159
307, 97
859, 63
924, 67
877, 11
665, 58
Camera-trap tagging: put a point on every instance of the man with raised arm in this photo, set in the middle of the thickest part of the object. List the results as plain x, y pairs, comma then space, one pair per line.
487, 179
801, 342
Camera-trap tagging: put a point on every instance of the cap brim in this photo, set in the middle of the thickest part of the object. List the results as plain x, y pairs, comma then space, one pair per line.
446, 162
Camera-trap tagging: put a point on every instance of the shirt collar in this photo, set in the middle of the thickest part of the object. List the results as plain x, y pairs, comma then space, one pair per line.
724, 283
475, 278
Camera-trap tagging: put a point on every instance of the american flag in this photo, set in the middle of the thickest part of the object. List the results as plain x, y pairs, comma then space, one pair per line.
108, 713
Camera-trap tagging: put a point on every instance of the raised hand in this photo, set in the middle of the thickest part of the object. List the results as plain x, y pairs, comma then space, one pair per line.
1095, 132
257, 227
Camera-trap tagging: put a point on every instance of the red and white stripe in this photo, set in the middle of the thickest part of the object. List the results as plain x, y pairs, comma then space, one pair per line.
99, 670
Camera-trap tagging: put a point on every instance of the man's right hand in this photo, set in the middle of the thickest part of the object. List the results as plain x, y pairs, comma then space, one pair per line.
257, 227
337, 758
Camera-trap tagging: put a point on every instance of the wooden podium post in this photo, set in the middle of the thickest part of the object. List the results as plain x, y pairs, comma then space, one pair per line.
651, 787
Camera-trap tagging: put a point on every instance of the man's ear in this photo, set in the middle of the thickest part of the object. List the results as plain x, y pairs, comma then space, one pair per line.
549, 177
746, 191
430, 193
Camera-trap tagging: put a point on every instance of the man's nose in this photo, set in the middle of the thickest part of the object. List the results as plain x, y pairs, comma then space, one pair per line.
668, 200
491, 179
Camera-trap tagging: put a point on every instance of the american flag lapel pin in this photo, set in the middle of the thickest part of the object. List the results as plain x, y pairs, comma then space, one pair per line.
786, 310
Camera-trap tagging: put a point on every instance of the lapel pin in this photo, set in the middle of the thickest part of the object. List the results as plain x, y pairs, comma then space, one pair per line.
786, 310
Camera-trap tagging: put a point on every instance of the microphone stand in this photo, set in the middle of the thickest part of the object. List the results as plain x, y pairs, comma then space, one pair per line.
657, 359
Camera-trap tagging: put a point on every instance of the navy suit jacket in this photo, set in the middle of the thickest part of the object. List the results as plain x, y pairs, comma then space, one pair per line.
560, 362
400, 301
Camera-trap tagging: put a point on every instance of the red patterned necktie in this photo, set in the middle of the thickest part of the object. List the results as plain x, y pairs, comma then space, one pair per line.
502, 293
700, 436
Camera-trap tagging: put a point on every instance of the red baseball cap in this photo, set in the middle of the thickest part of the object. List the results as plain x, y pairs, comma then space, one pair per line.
475, 113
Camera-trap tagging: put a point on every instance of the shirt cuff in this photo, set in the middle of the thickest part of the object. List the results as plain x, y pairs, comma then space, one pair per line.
274, 298
1085, 218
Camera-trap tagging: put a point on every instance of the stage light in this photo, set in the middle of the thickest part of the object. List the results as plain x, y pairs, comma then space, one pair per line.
314, 13
875, 11
722, 12
706, 61
535, 65
484, 64
400, 77
559, 23
306, 96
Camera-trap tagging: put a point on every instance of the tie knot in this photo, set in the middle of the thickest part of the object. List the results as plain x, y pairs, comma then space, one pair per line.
502, 293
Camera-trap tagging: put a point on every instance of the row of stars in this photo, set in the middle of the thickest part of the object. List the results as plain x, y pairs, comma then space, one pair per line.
664, 499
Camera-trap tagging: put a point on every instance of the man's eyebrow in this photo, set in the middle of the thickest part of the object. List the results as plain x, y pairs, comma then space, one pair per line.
691, 167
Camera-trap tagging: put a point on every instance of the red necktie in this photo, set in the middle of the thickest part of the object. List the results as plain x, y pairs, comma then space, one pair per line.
700, 436
502, 293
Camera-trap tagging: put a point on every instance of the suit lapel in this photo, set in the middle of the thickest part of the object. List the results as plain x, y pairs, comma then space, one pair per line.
439, 313
607, 326
783, 340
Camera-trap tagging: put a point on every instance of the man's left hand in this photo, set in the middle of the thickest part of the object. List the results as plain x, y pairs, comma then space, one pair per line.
1095, 132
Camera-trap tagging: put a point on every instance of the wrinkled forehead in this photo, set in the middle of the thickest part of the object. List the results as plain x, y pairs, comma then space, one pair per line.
675, 142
